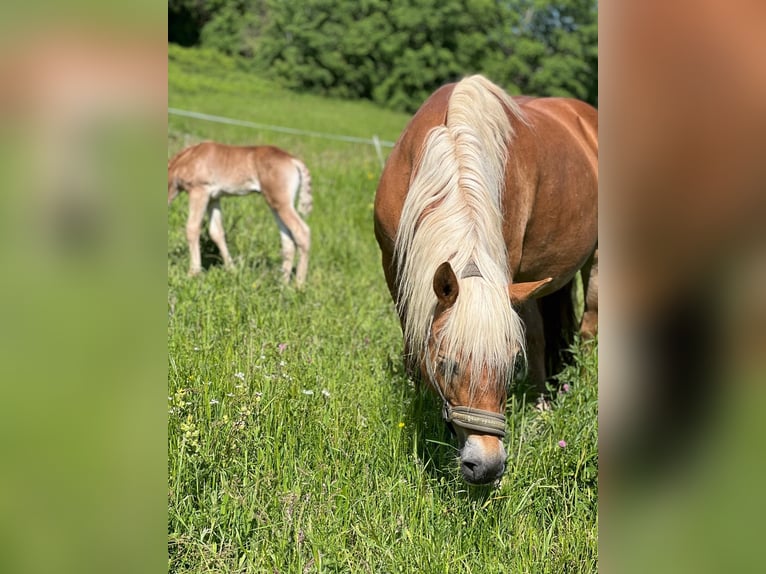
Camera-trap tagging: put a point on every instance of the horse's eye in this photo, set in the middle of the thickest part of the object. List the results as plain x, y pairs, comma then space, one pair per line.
448, 369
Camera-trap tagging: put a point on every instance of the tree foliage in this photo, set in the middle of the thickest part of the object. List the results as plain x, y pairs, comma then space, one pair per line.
396, 52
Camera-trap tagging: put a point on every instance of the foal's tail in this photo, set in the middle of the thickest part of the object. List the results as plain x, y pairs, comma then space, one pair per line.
305, 201
173, 187
174, 182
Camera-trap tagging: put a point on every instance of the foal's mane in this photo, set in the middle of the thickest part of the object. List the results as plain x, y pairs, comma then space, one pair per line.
453, 213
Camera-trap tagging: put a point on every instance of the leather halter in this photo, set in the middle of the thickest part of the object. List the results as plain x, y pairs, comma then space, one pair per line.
485, 422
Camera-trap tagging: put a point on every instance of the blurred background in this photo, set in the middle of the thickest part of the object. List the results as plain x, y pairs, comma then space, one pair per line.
83, 150
83, 99
682, 192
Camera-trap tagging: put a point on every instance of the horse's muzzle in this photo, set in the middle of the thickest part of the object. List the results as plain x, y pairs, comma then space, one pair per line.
482, 459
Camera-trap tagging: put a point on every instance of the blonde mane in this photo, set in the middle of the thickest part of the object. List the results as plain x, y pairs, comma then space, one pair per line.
453, 213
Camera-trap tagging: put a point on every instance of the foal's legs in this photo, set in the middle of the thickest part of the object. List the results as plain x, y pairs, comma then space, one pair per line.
288, 248
300, 234
216, 231
198, 199
589, 324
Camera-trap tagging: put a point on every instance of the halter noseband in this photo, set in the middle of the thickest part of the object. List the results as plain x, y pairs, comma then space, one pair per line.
485, 422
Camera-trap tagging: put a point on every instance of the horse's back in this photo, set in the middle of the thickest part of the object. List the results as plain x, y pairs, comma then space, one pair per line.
579, 118
231, 166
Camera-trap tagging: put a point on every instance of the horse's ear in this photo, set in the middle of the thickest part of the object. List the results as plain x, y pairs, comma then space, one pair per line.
445, 284
520, 292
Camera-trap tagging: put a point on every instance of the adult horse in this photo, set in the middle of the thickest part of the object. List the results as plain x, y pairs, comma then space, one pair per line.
486, 210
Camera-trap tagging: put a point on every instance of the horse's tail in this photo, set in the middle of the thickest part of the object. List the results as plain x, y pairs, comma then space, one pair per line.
173, 187
559, 327
305, 200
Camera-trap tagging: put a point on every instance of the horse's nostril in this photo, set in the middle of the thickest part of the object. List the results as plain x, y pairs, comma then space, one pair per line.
470, 469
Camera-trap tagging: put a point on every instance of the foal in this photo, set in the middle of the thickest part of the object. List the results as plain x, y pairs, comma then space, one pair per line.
210, 170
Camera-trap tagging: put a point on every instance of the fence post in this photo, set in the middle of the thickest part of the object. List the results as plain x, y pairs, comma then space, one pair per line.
376, 143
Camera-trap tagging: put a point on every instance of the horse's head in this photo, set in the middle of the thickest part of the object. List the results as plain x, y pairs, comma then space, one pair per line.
473, 394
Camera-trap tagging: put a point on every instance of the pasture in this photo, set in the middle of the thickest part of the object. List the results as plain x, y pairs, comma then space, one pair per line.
296, 443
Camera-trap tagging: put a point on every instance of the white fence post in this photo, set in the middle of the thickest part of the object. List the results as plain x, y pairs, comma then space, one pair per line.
376, 143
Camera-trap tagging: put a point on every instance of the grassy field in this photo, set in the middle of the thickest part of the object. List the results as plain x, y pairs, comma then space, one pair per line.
295, 441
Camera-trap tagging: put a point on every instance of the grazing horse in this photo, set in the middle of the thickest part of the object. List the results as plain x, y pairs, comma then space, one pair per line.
485, 211
209, 171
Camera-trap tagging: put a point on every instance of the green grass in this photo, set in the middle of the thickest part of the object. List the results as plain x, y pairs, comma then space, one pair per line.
294, 458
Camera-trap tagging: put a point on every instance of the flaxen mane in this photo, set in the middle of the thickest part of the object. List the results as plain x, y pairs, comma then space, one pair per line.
453, 213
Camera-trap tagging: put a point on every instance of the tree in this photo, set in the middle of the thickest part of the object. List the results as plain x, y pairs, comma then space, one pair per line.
396, 52
548, 48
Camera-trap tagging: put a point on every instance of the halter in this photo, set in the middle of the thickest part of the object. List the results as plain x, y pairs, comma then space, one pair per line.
485, 422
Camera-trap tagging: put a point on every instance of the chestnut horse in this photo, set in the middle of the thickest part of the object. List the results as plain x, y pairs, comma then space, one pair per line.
209, 171
486, 210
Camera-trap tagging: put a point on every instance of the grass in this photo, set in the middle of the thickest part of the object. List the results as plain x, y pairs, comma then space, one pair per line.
295, 441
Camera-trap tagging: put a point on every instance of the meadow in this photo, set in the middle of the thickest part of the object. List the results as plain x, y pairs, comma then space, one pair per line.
296, 442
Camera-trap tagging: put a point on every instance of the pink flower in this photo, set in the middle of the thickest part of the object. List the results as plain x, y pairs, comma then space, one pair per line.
562, 443
282, 347
565, 388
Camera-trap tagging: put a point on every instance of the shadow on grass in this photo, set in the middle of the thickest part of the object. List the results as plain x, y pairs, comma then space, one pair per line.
211, 256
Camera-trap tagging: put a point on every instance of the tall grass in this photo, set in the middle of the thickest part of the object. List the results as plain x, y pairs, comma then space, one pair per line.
295, 441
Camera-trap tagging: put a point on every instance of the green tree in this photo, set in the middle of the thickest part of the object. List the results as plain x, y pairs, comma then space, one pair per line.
546, 47
396, 52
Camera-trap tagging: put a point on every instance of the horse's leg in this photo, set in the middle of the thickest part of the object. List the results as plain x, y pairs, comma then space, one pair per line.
589, 324
216, 231
530, 314
559, 327
289, 220
198, 199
